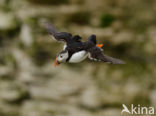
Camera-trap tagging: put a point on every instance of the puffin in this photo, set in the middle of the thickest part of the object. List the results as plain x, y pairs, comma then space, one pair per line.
75, 50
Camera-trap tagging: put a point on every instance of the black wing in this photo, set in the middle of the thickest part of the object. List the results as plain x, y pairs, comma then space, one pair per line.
59, 36
96, 53
76, 38
92, 38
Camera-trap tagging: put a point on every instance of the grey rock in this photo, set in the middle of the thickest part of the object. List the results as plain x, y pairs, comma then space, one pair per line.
109, 112
91, 97
7, 21
5, 70
45, 108
12, 92
2, 3
26, 35
153, 97
8, 110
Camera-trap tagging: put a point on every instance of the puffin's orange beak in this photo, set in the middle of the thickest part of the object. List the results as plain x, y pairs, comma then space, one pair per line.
56, 62
99, 45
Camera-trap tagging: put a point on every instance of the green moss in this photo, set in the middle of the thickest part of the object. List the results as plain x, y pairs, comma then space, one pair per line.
8, 59
2, 113
142, 100
23, 95
106, 20
2, 61
42, 52
39, 54
49, 2
81, 18
5, 6
12, 32
51, 112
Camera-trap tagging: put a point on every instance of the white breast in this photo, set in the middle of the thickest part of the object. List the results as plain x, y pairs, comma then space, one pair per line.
78, 57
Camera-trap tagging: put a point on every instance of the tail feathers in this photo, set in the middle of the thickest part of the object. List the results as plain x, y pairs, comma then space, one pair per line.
92, 38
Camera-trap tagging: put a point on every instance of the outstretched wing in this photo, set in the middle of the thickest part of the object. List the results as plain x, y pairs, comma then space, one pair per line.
96, 54
59, 36
76, 38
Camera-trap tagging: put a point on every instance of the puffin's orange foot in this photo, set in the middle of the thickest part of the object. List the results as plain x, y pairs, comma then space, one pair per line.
99, 45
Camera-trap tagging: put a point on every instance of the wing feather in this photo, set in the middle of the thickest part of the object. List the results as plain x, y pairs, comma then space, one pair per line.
97, 54
59, 36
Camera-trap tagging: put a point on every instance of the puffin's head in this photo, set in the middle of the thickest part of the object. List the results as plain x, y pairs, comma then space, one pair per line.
61, 57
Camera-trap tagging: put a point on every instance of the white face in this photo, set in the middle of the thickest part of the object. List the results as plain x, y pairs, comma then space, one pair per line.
62, 57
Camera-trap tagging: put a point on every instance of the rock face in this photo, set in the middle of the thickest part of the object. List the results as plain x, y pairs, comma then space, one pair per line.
26, 35
31, 86
7, 21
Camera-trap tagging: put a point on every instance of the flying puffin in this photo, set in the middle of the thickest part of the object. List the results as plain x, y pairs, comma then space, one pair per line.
75, 51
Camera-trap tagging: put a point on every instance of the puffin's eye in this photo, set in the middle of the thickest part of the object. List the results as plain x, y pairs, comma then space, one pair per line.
60, 56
